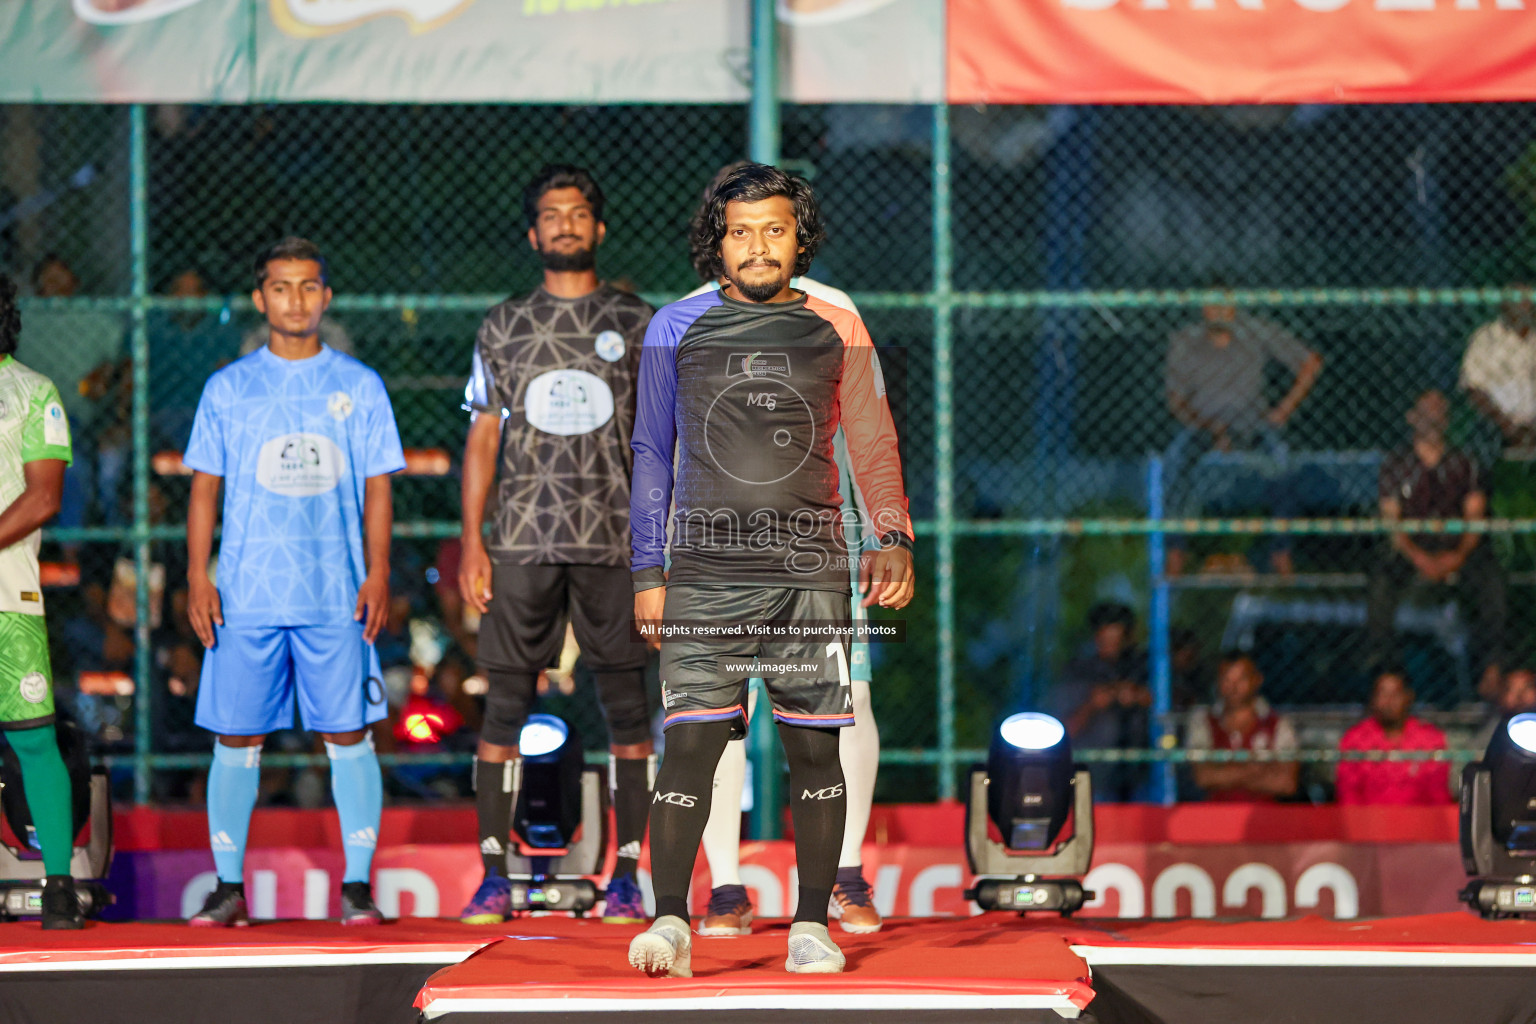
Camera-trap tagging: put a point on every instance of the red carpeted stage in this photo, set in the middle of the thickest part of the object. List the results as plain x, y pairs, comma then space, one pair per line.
992, 968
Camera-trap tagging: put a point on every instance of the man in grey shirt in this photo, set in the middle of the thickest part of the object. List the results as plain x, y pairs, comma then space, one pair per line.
1215, 385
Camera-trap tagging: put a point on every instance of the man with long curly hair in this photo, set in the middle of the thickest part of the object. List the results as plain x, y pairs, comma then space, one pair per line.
749, 384
730, 908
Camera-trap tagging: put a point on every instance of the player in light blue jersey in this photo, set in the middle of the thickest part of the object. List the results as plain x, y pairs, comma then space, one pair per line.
303, 440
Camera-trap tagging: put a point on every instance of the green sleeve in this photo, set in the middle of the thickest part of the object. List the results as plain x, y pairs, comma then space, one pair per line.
45, 434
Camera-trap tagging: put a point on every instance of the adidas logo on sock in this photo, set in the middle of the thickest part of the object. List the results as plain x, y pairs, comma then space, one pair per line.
220, 842
491, 845
630, 849
363, 837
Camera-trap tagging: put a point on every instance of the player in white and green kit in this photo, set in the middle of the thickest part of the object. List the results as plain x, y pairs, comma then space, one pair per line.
34, 449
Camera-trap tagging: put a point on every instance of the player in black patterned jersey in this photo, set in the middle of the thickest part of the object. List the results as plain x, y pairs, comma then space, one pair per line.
553, 392
560, 371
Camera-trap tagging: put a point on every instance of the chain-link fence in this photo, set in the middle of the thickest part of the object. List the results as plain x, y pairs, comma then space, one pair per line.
1109, 318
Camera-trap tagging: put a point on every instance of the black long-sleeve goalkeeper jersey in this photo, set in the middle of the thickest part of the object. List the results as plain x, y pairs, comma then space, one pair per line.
751, 395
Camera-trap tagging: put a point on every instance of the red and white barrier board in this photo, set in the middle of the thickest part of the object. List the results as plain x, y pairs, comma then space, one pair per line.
1193, 860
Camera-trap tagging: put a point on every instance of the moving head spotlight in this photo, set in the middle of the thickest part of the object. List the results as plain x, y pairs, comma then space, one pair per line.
1498, 823
1029, 789
559, 821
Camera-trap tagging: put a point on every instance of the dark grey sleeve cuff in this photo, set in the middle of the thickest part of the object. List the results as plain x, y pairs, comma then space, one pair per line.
649, 579
898, 538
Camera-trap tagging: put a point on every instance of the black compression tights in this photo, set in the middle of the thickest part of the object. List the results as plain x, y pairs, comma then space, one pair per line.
819, 804
680, 808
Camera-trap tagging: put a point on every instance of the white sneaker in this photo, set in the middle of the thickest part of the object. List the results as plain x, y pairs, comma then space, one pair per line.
664, 949
811, 950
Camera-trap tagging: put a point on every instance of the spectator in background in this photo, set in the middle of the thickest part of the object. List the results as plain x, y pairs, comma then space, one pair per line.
1390, 725
1191, 675
1242, 720
96, 643
8, 222
1498, 374
461, 620
70, 346
393, 643
1215, 389
178, 664
1104, 702
92, 643
1518, 694
185, 348
1519, 691
1428, 479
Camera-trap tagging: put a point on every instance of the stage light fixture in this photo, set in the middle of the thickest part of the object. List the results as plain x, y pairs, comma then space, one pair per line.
21, 874
542, 735
549, 805
1029, 789
559, 820
1498, 822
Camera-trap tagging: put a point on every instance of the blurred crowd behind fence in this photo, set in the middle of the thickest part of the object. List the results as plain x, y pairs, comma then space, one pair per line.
1026, 271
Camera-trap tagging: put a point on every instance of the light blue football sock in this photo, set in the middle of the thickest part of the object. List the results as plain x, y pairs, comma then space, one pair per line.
358, 788
232, 784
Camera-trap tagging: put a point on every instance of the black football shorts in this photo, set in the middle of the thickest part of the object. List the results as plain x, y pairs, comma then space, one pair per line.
524, 627
807, 679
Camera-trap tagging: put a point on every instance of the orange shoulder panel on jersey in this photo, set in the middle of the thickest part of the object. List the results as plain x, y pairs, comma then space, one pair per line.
866, 422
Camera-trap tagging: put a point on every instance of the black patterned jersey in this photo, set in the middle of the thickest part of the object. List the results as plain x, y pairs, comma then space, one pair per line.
561, 373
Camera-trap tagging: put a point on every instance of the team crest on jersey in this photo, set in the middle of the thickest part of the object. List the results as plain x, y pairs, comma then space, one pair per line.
757, 364
568, 402
610, 345
299, 465
339, 405
55, 426
34, 687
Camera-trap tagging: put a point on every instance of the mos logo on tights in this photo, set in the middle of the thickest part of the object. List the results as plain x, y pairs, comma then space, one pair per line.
676, 799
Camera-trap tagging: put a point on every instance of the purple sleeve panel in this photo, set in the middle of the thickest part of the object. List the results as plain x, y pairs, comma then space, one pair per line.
650, 491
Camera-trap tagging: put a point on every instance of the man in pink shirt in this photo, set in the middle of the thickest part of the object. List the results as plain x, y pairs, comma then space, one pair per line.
1391, 727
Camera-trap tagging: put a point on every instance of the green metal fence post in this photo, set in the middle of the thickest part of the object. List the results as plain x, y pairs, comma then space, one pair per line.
764, 119
943, 453
138, 217
767, 798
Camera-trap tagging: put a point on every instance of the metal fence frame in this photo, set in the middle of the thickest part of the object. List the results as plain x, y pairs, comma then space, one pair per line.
941, 531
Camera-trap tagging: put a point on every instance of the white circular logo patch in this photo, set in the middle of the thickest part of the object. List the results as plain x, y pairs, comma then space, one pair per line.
55, 425
34, 687
770, 442
339, 405
299, 465
568, 402
610, 345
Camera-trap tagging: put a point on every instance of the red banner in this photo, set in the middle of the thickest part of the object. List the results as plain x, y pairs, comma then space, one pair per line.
1240, 51
1199, 860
